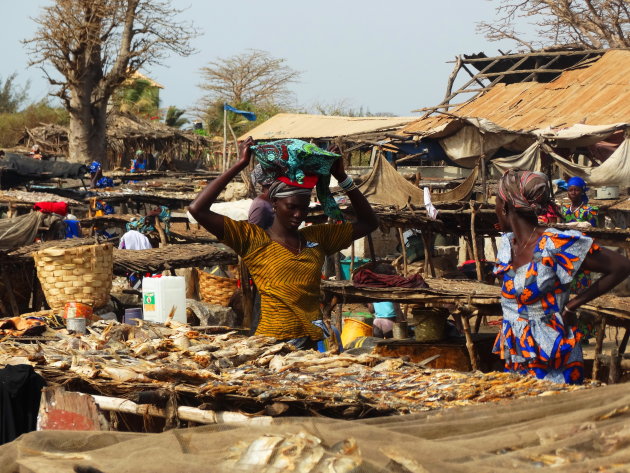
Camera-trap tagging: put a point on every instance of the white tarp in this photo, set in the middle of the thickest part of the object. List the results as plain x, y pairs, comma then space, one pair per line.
578, 135
466, 145
615, 171
527, 160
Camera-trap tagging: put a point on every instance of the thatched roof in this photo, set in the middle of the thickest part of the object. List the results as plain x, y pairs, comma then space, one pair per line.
120, 127
125, 133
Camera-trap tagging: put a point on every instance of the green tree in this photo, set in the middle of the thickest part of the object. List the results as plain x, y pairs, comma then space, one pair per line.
12, 97
174, 117
12, 125
140, 98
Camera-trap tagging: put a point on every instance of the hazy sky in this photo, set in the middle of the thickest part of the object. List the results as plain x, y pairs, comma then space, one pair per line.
387, 56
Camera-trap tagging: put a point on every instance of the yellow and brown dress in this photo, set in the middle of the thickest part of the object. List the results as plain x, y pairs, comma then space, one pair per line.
289, 283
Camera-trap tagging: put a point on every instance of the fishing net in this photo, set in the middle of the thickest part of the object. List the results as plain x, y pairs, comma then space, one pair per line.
579, 431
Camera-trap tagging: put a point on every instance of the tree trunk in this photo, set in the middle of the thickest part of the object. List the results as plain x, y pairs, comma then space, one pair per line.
87, 134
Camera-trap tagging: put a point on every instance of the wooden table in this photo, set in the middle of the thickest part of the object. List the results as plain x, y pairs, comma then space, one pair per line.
469, 298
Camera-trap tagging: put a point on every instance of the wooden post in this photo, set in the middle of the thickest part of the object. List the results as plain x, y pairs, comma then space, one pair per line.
403, 250
427, 242
247, 294
462, 315
352, 257
493, 242
8, 287
371, 247
614, 369
160, 230
224, 164
599, 340
473, 235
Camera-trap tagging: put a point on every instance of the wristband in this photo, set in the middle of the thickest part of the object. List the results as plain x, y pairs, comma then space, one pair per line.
347, 183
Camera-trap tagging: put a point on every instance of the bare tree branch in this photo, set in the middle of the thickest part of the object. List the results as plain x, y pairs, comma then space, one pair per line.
592, 24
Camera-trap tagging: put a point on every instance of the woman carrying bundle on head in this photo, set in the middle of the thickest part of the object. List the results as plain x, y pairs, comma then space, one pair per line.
537, 266
285, 261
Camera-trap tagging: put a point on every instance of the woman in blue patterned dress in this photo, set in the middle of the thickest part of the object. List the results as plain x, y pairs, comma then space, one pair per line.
537, 265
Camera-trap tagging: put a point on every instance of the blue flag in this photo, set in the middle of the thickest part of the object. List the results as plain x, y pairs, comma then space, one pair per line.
251, 116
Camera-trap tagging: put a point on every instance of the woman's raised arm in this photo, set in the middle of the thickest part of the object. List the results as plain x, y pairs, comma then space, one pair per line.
366, 221
200, 207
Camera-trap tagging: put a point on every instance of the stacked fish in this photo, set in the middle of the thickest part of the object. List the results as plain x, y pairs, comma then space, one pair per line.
256, 374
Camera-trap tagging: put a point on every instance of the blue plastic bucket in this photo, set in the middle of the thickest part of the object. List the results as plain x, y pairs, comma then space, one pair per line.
345, 266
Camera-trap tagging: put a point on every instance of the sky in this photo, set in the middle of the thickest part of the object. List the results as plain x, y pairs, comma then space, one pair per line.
382, 56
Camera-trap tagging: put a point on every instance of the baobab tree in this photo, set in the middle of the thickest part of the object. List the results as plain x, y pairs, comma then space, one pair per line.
590, 24
92, 47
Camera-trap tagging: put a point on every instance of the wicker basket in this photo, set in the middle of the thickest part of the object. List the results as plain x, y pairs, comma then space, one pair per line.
215, 289
80, 274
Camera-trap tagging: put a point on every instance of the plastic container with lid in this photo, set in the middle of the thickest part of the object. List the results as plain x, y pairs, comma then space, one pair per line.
160, 295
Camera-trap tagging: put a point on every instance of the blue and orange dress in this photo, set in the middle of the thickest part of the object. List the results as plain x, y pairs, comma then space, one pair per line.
533, 339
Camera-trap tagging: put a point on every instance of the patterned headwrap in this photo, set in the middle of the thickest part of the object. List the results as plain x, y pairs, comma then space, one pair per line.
295, 160
526, 191
282, 190
579, 182
94, 167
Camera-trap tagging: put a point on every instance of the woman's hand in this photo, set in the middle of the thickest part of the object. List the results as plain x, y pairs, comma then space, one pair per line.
337, 169
245, 152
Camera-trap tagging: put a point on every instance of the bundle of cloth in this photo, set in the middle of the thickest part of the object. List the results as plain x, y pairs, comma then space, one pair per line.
59, 208
145, 224
296, 163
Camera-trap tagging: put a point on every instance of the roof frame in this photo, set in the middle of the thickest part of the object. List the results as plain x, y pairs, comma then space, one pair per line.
508, 68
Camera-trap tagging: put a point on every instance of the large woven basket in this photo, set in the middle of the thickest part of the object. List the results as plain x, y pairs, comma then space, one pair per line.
215, 289
80, 274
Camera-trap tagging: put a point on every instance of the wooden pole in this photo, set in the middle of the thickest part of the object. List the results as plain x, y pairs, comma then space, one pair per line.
473, 235
371, 248
404, 251
614, 369
352, 257
599, 341
10, 294
427, 242
247, 294
224, 139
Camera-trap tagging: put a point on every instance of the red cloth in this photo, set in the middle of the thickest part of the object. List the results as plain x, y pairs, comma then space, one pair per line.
308, 183
368, 278
60, 208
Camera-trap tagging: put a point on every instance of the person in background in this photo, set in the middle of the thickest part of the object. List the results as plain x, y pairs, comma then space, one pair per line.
35, 152
285, 260
578, 209
261, 210
139, 164
98, 181
386, 313
73, 227
537, 265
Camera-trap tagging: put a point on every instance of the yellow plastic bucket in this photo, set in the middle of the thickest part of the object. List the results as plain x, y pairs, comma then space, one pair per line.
353, 328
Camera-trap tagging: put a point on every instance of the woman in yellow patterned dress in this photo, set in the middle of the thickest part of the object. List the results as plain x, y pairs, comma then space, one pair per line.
285, 261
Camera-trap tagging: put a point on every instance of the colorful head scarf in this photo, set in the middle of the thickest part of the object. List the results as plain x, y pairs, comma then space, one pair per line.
295, 159
526, 191
581, 183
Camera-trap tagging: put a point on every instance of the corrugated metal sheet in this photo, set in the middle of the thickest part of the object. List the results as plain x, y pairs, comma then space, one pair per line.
296, 125
595, 95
